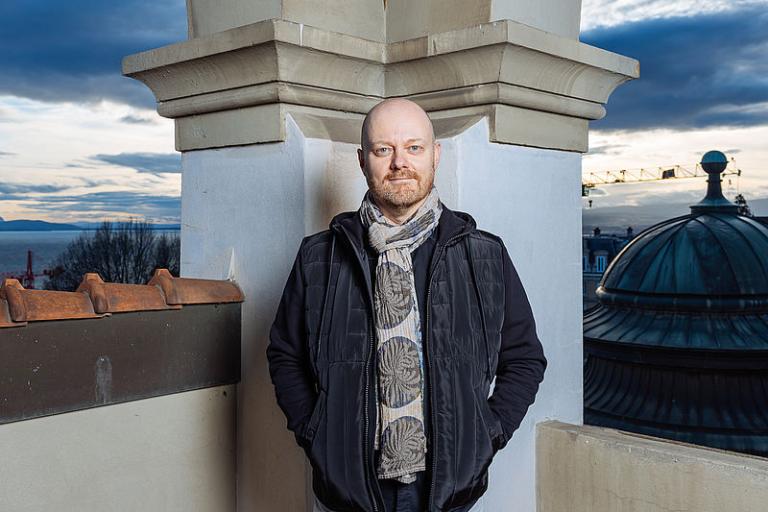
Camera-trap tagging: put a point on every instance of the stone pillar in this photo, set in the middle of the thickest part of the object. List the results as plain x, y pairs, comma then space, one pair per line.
268, 98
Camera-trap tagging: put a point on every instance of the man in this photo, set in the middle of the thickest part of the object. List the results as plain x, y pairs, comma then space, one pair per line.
391, 328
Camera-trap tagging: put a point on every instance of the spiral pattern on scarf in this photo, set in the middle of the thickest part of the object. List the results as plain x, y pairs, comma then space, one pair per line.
394, 299
399, 371
404, 445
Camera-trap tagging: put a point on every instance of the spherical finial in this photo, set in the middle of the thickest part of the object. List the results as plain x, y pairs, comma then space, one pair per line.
714, 162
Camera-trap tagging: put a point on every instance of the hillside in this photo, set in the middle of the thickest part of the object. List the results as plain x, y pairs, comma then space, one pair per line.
35, 225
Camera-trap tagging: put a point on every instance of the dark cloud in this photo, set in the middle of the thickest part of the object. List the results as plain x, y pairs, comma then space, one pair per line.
6, 153
8, 190
72, 51
154, 163
696, 72
88, 182
112, 203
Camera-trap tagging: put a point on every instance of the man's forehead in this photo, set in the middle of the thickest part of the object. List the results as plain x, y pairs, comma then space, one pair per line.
390, 140
393, 112
397, 121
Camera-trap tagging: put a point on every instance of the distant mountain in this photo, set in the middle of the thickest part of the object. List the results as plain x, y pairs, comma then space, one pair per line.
616, 219
95, 225
35, 225
41, 225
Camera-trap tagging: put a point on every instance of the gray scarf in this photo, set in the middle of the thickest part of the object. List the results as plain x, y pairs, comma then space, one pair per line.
400, 433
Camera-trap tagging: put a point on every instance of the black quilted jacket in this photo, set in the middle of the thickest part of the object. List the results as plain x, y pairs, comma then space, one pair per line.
479, 326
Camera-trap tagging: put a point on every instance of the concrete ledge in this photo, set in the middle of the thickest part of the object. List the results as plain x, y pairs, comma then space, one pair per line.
229, 83
174, 453
593, 469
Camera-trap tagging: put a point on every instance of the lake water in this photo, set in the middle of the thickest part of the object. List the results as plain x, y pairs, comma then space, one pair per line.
45, 247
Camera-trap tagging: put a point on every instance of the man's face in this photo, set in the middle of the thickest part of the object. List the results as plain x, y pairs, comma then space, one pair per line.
399, 156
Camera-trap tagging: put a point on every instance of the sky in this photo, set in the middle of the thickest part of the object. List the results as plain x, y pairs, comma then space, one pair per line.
79, 142
703, 86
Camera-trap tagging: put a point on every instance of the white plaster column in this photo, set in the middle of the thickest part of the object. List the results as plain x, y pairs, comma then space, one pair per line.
268, 98
529, 197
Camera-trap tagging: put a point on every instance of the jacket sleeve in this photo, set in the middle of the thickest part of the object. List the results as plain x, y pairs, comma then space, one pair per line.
521, 357
288, 357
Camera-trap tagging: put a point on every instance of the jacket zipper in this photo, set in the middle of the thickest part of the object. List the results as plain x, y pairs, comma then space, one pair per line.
433, 415
369, 469
366, 419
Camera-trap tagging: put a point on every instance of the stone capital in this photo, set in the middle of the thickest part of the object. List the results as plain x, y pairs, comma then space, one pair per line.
235, 87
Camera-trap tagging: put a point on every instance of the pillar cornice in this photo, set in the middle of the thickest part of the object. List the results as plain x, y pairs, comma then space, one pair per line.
536, 88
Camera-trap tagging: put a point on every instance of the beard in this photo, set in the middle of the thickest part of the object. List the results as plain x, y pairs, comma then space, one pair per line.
402, 196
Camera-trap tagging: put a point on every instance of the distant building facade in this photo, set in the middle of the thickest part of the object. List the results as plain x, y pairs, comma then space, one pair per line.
597, 252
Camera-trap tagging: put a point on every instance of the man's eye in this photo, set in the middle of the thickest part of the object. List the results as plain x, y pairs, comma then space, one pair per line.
414, 148
381, 151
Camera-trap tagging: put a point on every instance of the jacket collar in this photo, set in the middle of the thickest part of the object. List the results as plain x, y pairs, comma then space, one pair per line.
452, 224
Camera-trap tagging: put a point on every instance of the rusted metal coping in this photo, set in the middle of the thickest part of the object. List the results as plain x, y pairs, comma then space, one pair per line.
5, 316
34, 305
195, 291
109, 343
118, 297
94, 298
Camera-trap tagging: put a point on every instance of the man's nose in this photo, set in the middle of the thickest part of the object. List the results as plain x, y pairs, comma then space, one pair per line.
398, 160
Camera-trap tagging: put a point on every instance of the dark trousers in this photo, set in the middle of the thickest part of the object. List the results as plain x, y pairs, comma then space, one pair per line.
400, 497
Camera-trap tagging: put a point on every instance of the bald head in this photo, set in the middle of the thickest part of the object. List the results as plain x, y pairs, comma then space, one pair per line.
393, 113
399, 156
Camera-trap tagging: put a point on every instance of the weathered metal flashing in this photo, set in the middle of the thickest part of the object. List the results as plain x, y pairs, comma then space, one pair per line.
35, 305
95, 298
5, 316
195, 291
168, 336
119, 297
51, 368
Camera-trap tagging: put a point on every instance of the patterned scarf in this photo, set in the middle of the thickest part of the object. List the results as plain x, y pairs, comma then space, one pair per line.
400, 430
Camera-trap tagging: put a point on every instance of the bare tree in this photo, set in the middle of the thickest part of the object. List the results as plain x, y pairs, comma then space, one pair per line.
126, 252
168, 252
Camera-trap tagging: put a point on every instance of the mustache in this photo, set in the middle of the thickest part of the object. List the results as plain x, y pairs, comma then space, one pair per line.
401, 175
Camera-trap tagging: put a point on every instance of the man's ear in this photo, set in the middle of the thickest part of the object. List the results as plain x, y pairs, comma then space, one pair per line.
361, 160
437, 149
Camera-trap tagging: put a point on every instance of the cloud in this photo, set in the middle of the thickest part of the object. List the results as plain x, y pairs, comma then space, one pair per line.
596, 13
131, 119
607, 149
698, 71
659, 208
71, 51
154, 163
6, 153
116, 204
15, 191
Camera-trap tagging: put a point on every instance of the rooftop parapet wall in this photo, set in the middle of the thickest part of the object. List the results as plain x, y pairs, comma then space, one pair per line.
593, 469
108, 343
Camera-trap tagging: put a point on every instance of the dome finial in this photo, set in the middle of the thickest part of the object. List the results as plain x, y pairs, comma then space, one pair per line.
714, 163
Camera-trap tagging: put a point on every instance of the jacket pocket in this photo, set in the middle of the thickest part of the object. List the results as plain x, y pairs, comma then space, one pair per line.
491, 423
310, 428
